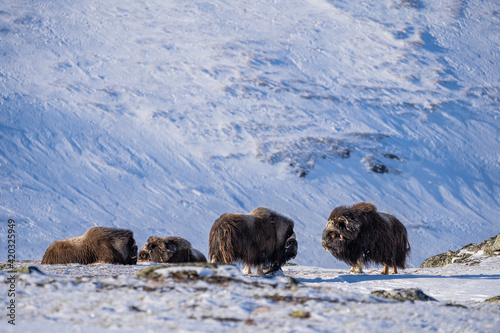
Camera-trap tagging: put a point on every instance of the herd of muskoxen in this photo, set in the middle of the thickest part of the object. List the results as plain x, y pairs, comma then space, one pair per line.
263, 239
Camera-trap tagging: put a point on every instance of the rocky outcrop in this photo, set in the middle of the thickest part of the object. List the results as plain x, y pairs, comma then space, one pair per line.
490, 249
402, 295
470, 254
494, 299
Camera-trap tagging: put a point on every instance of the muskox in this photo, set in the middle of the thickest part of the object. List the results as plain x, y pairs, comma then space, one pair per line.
98, 244
170, 249
262, 238
359, 235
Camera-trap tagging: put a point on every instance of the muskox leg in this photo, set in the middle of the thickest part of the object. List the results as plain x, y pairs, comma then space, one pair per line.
356, 269
247, 270
385, 271
259, 270
394, 270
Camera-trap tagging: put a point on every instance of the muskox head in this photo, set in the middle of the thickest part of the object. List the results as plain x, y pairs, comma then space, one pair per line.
291, 245
340, 230
290, 251
343, 227
285, 236
129, 251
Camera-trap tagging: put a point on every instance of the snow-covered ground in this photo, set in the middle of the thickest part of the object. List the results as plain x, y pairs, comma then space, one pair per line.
159, 116
103, 297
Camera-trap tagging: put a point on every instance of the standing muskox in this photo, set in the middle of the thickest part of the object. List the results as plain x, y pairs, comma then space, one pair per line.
359, 235
98, 244
262, 238
170, 249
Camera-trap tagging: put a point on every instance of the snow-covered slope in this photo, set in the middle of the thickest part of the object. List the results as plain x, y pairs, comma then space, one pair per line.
159, 116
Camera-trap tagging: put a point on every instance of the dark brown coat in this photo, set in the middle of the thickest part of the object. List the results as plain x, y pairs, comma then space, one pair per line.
170, 249
98, 244
261, 238
359, 235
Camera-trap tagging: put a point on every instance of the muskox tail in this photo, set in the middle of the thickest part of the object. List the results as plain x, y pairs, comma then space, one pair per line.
220, 243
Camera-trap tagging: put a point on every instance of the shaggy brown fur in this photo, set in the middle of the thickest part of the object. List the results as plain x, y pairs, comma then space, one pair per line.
98, 244
359, 235
262, 238
171, 250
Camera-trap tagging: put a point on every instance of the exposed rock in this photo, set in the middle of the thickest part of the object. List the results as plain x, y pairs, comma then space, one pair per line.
222, 319
391, 156
378, 168
302, 154
402, 295
152, 272
382, 163
26, 270
300, 314
466, 255
490, 249
494, 299
445, 259
412, 3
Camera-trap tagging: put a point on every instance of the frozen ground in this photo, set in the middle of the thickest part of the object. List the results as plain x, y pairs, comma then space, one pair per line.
104, 297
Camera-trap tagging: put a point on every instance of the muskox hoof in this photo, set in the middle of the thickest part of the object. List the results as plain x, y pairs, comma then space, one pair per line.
247, 270
355, 270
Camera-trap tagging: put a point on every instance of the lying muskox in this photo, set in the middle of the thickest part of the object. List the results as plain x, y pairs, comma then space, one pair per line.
359, 235
171, 250
98, 244
262, 238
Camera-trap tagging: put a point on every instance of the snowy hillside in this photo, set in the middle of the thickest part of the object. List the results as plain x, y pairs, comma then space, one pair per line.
159, 116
